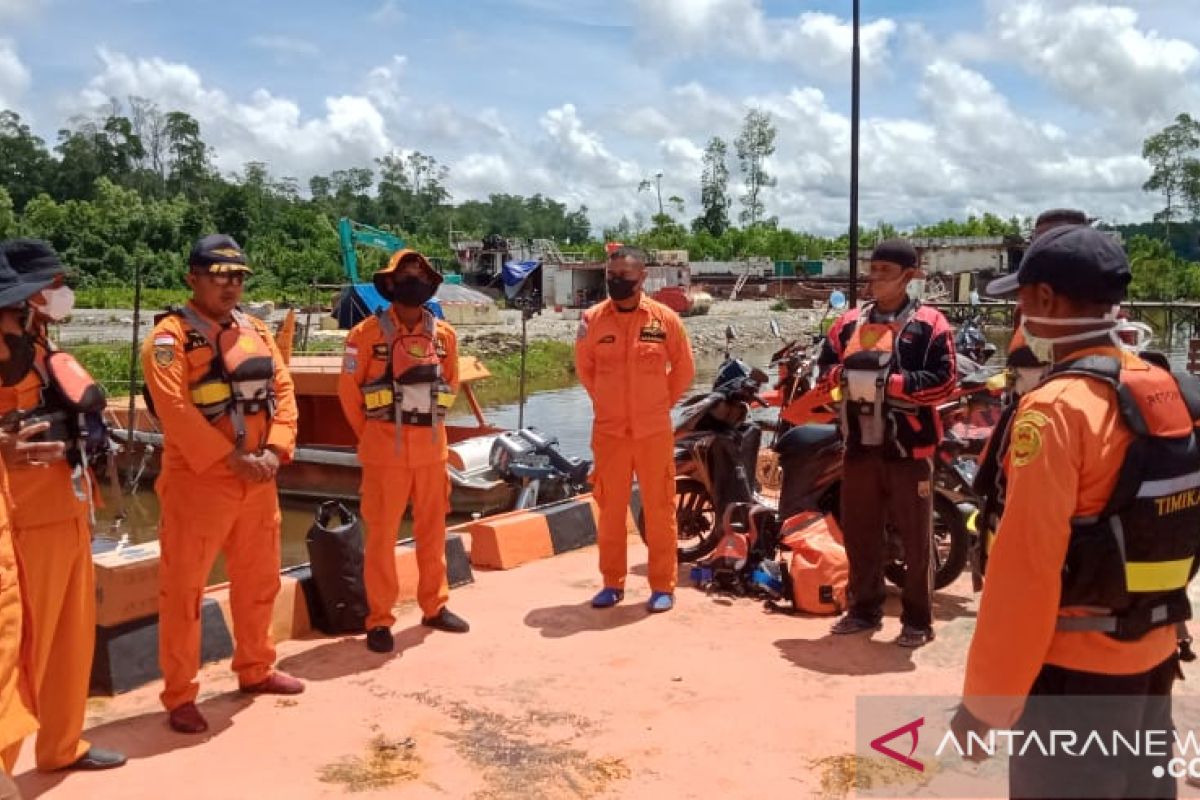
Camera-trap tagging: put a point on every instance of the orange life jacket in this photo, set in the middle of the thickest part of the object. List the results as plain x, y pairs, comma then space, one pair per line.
412, 391
240, 379
1134, 560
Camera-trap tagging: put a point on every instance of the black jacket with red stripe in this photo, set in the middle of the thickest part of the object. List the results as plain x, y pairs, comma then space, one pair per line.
923, 374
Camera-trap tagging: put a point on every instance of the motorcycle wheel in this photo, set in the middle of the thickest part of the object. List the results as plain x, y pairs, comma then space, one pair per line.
951, 546
695, 519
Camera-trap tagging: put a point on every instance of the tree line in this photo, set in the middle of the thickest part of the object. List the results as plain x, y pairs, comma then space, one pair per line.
132, 185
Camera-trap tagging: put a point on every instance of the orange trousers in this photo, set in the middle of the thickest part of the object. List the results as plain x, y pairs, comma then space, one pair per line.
652, 459
198, 520
386, 492
16, 700
56, 565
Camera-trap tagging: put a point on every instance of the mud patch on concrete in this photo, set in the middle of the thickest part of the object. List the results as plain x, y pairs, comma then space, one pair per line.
386, 762
844, 774
532, 755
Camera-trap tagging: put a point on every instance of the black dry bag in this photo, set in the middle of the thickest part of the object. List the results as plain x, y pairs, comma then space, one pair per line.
335, 552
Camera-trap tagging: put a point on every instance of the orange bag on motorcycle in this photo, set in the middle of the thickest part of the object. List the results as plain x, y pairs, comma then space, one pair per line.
819, 570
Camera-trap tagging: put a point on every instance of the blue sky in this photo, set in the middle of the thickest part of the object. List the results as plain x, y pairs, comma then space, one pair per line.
1002, 105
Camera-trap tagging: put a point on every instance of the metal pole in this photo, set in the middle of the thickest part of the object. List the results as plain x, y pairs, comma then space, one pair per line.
521, 406
658, 183
853, 298
131, 420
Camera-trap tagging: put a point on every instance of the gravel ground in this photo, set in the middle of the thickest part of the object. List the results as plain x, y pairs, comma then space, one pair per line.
750, 319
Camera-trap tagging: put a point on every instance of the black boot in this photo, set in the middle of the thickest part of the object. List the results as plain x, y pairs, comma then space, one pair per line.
379, 640
446, 620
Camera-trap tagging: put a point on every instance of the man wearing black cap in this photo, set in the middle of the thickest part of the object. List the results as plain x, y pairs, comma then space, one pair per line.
1088, 576
227, 408
16, 668
894, 362
52, 514
1025, 372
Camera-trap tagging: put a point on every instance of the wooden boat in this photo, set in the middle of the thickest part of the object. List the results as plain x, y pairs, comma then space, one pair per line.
325, 464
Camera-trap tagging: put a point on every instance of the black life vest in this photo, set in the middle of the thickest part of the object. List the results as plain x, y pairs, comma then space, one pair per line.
1132, 562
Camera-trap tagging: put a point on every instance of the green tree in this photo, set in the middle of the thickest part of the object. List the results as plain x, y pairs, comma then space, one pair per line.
1175, 169
714, 189
755, 145
26, 167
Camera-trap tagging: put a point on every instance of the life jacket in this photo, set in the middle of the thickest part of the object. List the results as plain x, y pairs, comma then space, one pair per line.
71, 401
240, 379
412, 391
1132, 562
867, 362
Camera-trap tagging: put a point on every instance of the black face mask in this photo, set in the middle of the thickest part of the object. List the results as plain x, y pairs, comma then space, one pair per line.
411, 291
621, 288
20, 359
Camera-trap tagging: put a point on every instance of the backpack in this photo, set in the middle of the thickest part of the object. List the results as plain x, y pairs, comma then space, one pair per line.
335, 552
816, 578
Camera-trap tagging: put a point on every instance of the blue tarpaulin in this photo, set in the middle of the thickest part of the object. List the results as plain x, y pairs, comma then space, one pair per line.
514, 274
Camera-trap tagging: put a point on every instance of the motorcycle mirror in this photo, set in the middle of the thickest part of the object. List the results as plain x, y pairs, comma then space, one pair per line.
775, 329
837, 300
758, 376
730, 333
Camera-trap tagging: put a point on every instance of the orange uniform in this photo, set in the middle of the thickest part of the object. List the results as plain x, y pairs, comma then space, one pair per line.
399, 466
635, 366
53, 535
207, 509
1068, 444
16, 696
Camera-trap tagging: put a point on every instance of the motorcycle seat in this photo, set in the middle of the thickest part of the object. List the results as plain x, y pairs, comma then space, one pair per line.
806, 440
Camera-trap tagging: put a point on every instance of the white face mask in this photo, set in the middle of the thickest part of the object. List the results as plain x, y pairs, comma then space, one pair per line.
57, 303
916, 289
1042, 347
1143, 334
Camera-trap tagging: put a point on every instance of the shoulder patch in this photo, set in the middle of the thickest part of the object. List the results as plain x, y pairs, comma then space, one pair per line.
653, 332
1026, 438
164, 355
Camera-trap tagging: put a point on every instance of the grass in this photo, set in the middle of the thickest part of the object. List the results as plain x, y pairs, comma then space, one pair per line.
122, 297
550, 365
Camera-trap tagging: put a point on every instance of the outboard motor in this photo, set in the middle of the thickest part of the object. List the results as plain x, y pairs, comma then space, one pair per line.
530, 459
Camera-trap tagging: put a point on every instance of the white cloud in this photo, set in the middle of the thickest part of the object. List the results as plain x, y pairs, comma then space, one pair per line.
816, 43
285, 46
1098, 57
265, 127
14, 75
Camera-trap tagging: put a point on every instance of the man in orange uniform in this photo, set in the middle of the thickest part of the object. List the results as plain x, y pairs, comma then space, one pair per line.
633, 356
399, 376
16, 692
1088, 577
227, 408
51, 519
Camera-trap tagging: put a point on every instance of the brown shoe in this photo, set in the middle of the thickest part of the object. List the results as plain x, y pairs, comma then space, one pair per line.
276, 683
187, 719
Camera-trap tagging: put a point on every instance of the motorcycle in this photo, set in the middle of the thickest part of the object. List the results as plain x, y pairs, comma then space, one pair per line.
971, 342
716, 454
